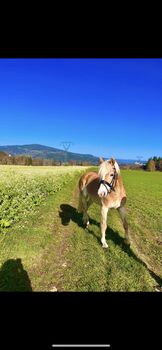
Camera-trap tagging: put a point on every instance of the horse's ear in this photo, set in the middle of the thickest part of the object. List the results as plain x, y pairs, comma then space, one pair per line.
117, 167
101, 160
115, 164
112, 161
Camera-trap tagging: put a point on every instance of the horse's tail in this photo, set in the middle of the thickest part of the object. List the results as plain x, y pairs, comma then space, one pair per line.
82, 184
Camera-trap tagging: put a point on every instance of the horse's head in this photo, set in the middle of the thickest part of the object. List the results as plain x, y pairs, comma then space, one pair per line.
108, 173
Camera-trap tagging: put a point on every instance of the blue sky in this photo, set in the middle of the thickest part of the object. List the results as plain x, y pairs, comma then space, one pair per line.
104, 106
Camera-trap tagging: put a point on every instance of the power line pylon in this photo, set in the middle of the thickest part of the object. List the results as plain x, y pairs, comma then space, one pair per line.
66, 145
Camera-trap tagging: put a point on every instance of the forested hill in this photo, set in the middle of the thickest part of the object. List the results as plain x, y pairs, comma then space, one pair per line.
40, 151
51, 153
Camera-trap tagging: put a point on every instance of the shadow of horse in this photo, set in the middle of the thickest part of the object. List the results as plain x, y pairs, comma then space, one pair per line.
68, 213
13, 277
118, 240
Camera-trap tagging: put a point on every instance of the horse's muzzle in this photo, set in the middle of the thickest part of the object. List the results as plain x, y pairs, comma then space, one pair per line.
103, 191
102, 194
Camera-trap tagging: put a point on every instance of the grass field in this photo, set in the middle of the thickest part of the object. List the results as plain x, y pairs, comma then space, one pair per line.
24, 188
44, 247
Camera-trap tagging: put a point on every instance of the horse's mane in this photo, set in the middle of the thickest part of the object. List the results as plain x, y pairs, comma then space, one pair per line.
105, 167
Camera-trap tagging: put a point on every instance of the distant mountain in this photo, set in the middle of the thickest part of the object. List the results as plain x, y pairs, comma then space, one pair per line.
46, 152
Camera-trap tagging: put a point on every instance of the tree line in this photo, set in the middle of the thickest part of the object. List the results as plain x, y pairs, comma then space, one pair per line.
28, 160
154, 163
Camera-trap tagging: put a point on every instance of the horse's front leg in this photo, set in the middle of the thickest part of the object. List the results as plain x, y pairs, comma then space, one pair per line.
104, 212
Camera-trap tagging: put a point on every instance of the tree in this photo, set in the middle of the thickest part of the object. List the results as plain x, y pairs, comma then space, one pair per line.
37, 161
150, 166
72, 162
160, 165
3, 158
28, 160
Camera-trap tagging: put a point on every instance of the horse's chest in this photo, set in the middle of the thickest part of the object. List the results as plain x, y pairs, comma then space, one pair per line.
112, 202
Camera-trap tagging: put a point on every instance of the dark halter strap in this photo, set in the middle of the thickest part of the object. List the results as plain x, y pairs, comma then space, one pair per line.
110, 184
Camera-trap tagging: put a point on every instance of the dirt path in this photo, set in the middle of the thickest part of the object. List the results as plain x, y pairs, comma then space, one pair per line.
48, 271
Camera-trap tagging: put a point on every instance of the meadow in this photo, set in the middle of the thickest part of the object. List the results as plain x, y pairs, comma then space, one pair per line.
23, 188
44, 246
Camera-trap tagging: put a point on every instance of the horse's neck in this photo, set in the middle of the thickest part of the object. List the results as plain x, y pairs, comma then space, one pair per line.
119, 184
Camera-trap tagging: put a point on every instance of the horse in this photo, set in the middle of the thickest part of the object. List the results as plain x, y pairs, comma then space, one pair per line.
107, 190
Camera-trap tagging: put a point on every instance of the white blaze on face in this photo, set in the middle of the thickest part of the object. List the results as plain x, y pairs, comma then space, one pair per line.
103, 190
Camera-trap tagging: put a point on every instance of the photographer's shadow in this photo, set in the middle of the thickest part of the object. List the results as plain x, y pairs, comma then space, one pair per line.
13, 277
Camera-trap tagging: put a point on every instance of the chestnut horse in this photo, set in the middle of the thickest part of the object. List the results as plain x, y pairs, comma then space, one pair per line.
106, 189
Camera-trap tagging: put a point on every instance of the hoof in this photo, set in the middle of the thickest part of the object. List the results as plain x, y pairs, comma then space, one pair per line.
104, 244
86, 224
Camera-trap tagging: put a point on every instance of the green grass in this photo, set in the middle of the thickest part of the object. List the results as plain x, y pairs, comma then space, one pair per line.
24, 245
120, 268
144, 190
23, 188
50, 248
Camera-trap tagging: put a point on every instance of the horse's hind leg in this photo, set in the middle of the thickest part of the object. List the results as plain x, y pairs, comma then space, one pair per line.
86, 204
83, 206
122, 212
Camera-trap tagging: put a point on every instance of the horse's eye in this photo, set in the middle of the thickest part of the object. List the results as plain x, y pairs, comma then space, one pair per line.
111, 174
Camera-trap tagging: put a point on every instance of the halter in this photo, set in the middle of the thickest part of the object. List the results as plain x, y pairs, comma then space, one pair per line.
109, 184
